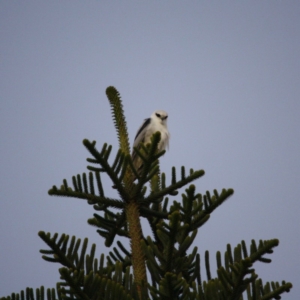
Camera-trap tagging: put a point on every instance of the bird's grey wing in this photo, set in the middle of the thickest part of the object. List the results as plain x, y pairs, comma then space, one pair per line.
139, 138
140, 135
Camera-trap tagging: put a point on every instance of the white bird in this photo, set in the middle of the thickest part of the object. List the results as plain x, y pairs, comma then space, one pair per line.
157, 122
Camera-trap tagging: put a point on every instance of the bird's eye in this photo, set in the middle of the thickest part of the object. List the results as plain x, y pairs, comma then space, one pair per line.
166, 117
158, 115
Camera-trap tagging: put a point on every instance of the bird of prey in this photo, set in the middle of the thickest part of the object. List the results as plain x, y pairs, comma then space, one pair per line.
157, 122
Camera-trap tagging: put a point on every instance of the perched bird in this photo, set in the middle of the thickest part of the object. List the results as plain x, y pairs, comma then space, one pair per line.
157, 122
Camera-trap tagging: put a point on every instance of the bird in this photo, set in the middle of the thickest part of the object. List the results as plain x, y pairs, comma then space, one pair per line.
156, 122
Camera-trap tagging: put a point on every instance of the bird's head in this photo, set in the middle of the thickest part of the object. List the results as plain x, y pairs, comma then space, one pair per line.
161, 116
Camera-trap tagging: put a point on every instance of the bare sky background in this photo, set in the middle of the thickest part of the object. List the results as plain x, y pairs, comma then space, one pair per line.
228, 74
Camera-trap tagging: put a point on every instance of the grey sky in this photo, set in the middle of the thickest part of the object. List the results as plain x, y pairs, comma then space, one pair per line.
227, 73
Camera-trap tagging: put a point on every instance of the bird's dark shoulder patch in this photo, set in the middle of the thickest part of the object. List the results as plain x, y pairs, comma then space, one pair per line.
146, 123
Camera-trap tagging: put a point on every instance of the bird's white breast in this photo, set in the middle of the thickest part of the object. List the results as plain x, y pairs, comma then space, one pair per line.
164, 140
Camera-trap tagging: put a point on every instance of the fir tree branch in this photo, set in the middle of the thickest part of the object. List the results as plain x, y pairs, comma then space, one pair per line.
110, 172
277, 291
91, 199
173, 187
119, 119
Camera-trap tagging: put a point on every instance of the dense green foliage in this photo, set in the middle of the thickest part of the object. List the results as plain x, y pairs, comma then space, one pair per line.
163, 266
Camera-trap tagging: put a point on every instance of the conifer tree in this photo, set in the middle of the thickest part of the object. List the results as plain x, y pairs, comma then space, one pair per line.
164, 266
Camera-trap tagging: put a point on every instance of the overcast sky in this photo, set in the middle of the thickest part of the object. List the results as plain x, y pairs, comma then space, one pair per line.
228, 74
